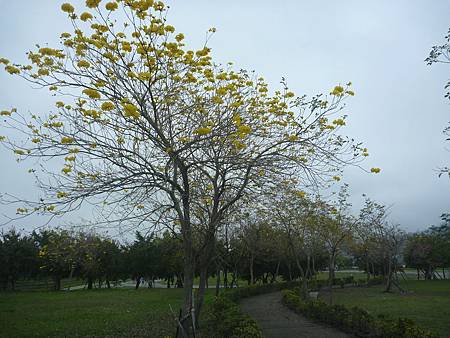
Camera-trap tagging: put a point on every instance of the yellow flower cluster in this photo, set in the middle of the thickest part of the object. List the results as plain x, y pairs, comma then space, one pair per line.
67, 140
375, 170
107, 106
85, 16
111, 6
339, 122
202, 131
46, 51
12, 70
92, 93
83, 64
61, 194
92, 3
68, 8
130, 110
338, 91
300, 194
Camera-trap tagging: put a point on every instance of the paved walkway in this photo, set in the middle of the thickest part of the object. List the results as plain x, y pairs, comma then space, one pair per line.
277, 321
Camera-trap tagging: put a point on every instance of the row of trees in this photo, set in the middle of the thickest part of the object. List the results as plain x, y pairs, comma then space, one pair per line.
291, 237
429, 251
59, 254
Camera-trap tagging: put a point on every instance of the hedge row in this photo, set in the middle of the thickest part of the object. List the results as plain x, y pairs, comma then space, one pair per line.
355, 320
225, 319
315, 285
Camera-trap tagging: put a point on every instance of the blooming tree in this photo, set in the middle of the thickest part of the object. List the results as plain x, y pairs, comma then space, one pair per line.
155, 133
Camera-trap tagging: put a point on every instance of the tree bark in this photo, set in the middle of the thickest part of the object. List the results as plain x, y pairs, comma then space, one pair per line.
218, 282
252, 277
57, 281
389, 276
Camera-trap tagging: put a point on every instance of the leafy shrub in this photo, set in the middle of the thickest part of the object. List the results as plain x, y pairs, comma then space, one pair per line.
355, 320
226, 320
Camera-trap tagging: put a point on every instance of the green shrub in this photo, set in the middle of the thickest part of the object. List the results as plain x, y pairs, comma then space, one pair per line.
355, 320
226, 320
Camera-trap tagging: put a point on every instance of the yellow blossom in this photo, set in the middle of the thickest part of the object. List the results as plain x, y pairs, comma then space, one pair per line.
336, 178
300, 194
339, 122
107, 106
5, 113
61, 194
59, 104
202, 131
4, 61
179, 37
66, 140
131, 110
12, 70
83, 64
68, 8
92, 93
92, 3
85, 16
338, 91
375, 170
244, 129
111, 6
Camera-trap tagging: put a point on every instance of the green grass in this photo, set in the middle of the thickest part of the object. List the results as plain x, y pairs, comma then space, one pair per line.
426, 302
93, 313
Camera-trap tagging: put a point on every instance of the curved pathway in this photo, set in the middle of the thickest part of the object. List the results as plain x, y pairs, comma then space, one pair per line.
277, 321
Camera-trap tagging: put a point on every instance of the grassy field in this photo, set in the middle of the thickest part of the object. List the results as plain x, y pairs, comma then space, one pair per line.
426, 302
93, 313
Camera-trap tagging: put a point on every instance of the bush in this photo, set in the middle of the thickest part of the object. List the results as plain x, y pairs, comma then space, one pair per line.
349, 280
355, 320
226, 320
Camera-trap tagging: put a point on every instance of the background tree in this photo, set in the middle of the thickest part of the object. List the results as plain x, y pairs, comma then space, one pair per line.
441, 54
18, 258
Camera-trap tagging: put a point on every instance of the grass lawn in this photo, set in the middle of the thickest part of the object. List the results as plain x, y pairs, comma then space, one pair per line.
426, 302
90, 313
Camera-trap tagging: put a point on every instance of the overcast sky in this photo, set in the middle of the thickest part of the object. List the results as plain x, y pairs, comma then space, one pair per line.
399, 110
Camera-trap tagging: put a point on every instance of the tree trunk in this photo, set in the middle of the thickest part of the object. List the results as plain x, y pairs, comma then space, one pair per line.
277, 270
389, 277
331, 263
367, 268
90, 283
252, 277
218, 282
225, 278
57, 281
201, 293
189, 268
108, 285
313, 264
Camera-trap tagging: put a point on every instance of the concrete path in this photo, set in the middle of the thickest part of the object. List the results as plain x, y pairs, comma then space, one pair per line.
277, 321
